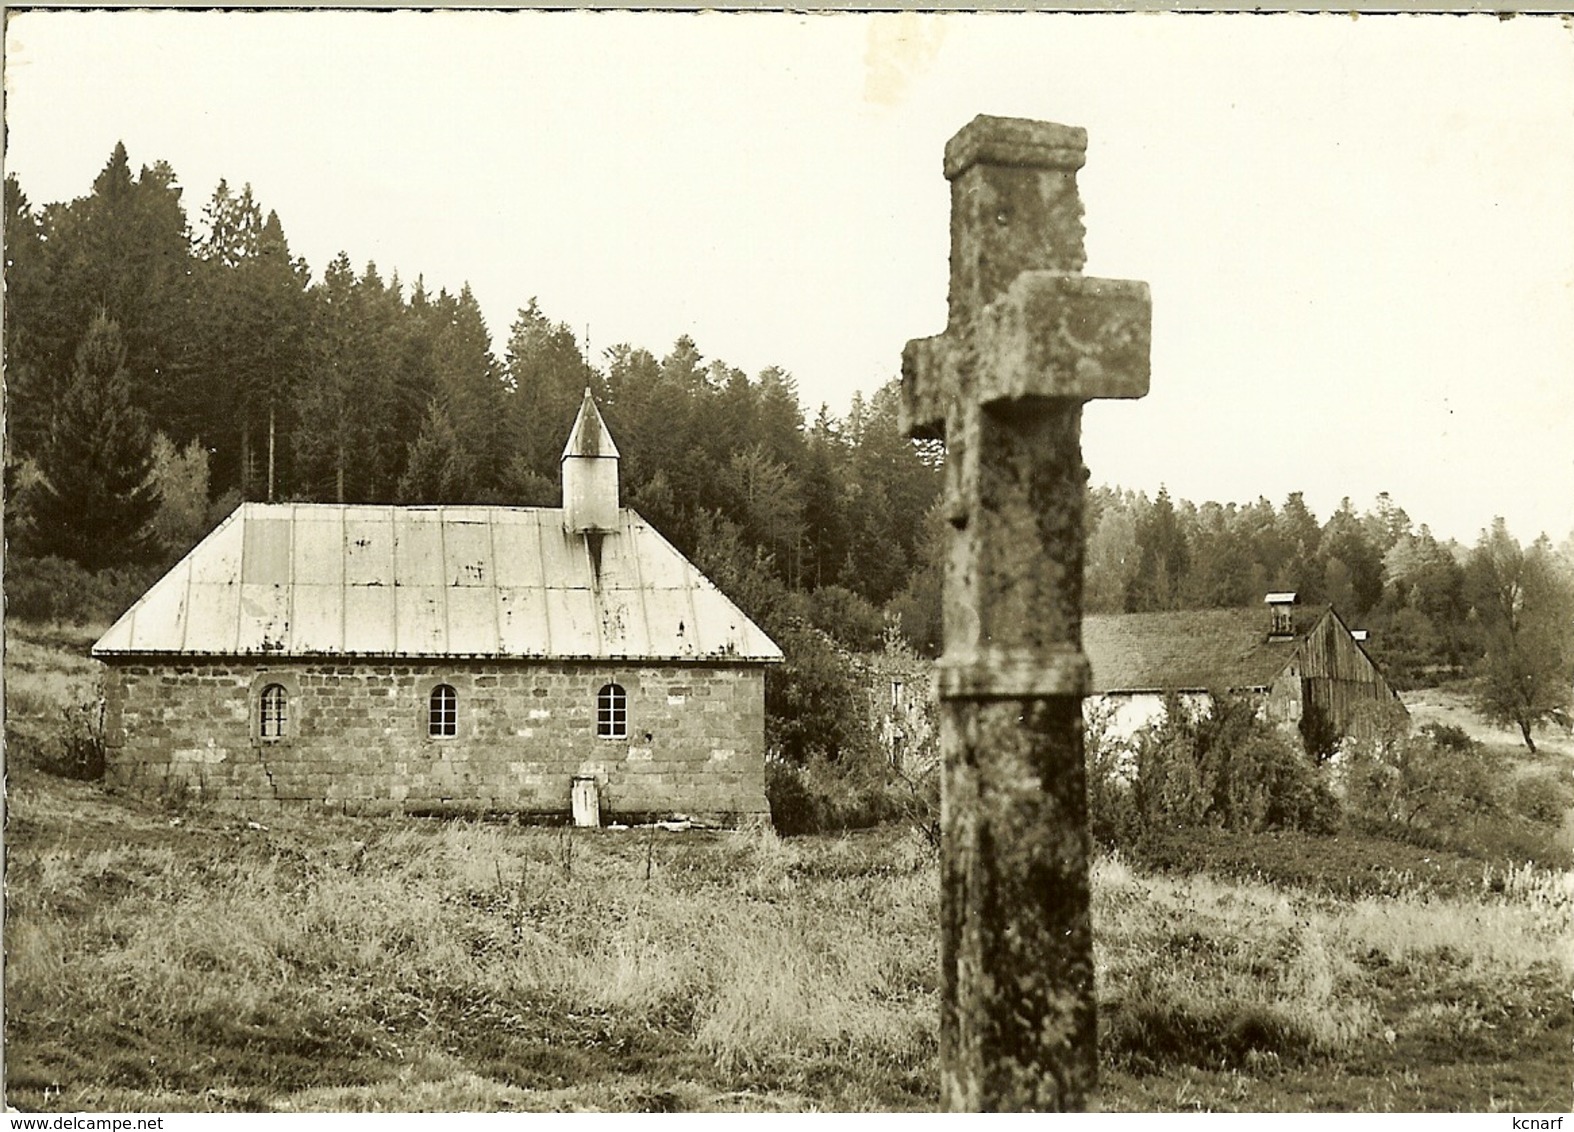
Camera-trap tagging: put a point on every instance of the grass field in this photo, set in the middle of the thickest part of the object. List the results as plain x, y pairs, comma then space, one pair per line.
199, 959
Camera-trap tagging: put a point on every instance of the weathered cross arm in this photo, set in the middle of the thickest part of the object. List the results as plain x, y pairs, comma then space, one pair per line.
1029, 340
1052, 334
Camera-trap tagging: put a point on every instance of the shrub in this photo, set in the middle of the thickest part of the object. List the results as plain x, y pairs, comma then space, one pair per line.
814, 702
1431, 780
1173, 785
1221, 766
1450, 737
77, 749
795, 809
847, 616
1112, 811
1542, 798
1266, 783
822, 796
52, 589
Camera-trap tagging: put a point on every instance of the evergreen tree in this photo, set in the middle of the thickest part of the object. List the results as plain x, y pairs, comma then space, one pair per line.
125, 250
332, 430
467, 385
1350, 557
824, 513
1221, 574
1259, 527
889, 490
778, 418
31, 394
1111, 558
546, 376
1299, 537
765, 499
438, 470
397, 382
919, 606
96, 499
1162, 559
249, 342
359, 406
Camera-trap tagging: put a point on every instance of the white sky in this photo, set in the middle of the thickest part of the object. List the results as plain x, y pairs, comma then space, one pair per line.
1358, 232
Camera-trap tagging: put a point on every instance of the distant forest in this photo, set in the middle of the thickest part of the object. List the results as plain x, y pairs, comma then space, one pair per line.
161, 369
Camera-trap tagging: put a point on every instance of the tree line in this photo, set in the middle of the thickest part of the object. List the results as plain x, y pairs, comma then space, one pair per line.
162, 370
1498, 611
146, 353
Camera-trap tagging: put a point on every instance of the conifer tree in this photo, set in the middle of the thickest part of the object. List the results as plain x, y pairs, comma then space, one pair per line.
125, 249
1163, 559
250, 319
438, 470
30, 392
355, 419
467, 385
96, 501
546, 375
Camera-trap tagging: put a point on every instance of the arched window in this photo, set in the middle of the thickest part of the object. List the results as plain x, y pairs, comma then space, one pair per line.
273, 712
442, 713
612, 712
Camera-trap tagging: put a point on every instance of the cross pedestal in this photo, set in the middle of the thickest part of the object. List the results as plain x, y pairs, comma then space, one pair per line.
1028, 340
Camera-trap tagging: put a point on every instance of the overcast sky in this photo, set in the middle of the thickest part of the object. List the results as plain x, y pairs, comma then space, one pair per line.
1358, 232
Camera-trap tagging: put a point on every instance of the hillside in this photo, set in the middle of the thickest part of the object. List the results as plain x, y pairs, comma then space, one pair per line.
170, 957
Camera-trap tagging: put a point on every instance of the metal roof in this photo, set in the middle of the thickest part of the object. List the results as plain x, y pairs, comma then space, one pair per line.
589, 436
303, 579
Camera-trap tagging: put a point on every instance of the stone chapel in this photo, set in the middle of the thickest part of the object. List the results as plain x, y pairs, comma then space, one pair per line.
444, 659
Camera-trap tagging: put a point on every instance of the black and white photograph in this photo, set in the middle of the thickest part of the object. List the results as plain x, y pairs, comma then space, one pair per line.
609, 561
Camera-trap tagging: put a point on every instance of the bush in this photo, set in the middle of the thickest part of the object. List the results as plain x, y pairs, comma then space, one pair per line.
52, 589
814, 702
795, 808
1542, 798
1221, 767
77, 748
1113, 817
822, 796
1432, 780
848, 617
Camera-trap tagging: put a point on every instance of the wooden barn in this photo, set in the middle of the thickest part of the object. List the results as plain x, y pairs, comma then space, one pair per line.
444, 658
1303, 663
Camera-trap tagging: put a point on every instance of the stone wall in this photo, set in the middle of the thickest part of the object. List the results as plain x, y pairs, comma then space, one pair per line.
356, 736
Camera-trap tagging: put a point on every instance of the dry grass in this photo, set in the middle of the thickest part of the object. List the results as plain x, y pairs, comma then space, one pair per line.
419, 965
1452, 707
1229, 975
479, 945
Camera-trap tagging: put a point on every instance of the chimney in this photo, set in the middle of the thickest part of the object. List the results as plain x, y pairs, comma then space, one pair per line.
590, 474
1281, 614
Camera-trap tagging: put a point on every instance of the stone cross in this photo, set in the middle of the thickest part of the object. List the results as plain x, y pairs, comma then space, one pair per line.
1028, 340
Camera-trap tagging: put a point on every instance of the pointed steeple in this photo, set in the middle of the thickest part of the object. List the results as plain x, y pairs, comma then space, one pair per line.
590, 473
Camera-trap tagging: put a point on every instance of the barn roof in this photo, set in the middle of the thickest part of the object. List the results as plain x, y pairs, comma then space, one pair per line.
1189, 650
301, 579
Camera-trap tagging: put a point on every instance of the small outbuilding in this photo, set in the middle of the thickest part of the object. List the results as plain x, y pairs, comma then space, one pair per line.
1305, 667
430, 659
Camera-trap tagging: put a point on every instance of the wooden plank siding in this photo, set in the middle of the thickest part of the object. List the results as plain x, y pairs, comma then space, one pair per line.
1331, 676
